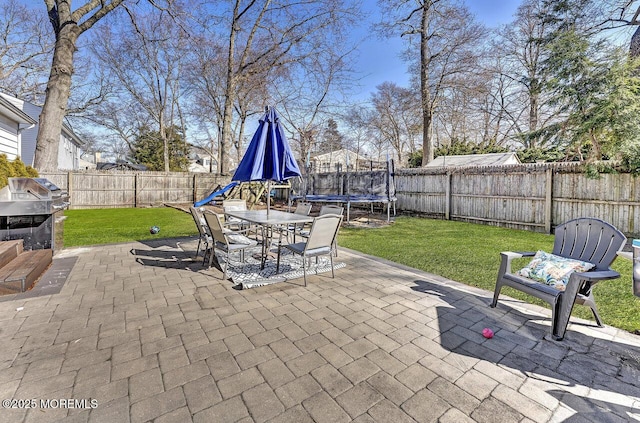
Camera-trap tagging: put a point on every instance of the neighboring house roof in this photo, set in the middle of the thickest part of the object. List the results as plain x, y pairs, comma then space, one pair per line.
335, 154
86, 164
120, 166
10, 110
34, 114
69, 145
490, 159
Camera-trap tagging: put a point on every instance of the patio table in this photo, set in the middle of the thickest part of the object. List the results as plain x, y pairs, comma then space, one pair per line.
267, 221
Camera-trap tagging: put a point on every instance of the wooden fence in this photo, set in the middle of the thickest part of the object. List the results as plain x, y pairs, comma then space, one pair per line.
532, 197
104, 189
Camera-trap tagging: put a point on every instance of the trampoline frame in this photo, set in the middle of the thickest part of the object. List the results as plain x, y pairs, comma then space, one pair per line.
388, 199
349, 199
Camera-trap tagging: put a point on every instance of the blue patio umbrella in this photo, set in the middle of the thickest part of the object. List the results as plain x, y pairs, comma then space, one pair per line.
269, 156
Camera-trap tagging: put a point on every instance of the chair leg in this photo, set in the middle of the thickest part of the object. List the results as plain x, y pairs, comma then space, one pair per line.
331, 258
204, 256
304, 270
224, 272
278, 261
211, 257
563, 306
557, 332
596, 316
590, 302
496, 294
504, 265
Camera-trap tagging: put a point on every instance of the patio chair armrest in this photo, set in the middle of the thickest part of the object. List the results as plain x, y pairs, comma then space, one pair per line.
598, 275
626, 254
508, 256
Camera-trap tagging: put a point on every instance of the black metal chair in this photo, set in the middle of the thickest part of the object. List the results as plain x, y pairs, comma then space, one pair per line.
586, 239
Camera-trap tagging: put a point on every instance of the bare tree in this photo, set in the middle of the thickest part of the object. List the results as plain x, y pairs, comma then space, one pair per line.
448, 40
398, 117
25, 50
67, 26
359, 132
265, 35
303, 93
145, 61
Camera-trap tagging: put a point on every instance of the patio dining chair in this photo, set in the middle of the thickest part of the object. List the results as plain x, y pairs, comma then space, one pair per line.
321, 242
234, 205
303, 209
204, 238
327, 209
226, 240
583, 251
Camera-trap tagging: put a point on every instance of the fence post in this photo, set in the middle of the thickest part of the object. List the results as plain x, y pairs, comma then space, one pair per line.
69, 181
135, 190
548, 198
195, 188
447, 197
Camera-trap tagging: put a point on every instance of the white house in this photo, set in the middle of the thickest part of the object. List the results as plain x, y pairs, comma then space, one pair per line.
201, 161
13, 123
335, 160
69, 149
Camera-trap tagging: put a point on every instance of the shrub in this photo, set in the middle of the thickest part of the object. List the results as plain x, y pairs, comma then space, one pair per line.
12, 169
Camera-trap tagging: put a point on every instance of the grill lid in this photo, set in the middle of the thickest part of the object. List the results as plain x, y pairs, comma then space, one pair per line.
25, 196
41, 188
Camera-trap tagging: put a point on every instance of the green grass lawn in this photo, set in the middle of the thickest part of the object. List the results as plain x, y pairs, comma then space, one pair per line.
465, 252
108, 226
470, 253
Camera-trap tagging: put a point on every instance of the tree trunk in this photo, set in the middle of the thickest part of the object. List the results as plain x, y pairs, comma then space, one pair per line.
229, 95
165, 143
57, 97
225, 140
634, 46
427, 142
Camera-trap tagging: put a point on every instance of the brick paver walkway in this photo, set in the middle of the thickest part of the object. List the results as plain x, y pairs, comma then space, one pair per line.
162, 340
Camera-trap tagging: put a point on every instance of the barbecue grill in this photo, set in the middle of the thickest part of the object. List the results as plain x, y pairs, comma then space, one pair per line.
29, 210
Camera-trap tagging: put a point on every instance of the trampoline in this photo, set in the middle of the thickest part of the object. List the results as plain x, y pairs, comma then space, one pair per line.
381, 192
353, 199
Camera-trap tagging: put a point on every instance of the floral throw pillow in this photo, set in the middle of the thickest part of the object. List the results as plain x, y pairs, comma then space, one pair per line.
553, 270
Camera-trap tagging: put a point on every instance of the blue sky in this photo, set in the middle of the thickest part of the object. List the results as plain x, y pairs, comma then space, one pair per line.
379, 61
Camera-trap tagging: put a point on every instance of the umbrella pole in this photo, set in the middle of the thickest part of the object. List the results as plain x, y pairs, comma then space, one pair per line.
268, 196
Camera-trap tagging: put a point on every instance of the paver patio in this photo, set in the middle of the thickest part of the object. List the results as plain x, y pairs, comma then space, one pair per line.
167, 341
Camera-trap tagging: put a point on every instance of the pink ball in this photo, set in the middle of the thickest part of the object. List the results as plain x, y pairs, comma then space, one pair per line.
487, 333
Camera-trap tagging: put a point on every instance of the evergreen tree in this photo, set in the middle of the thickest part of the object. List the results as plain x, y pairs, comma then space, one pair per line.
149, 150
596, 87
332, 139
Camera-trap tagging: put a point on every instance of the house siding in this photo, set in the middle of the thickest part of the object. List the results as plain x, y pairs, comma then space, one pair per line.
68, 154
9, 138
68, 150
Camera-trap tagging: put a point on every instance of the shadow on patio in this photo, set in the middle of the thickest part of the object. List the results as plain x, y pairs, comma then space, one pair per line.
596, 378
